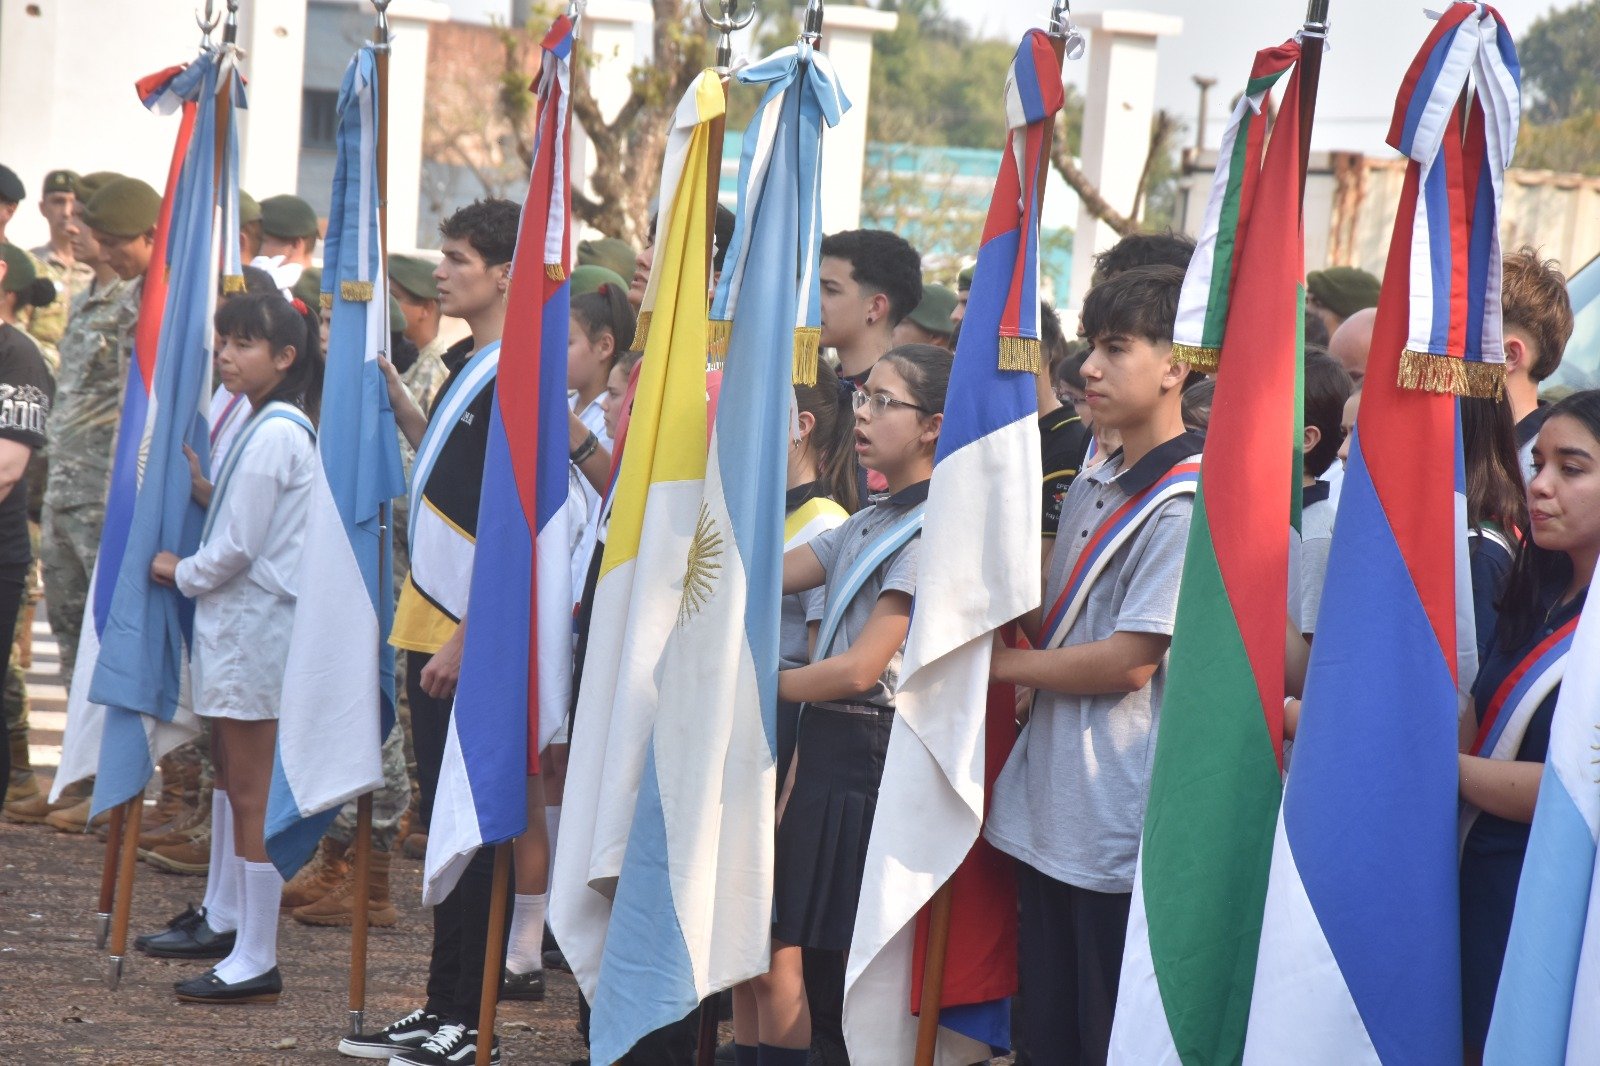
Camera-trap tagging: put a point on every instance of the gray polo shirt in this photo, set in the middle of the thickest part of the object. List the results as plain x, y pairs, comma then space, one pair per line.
1070, 800
838, 548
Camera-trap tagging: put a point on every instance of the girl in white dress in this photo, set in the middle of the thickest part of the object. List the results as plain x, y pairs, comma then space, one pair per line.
242, 580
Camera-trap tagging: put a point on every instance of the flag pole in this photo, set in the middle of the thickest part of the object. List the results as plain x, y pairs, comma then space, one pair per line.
499, 886
1313, 38
133, 811
108, 878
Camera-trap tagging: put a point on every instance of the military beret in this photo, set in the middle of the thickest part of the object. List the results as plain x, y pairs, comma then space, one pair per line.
615, 255
933, 313
964, 280
287, 217
249, 210
309, 288
415, 275
1344, 290
89, 184
60, 181
124, 207
11, 189
590, 277
20, 273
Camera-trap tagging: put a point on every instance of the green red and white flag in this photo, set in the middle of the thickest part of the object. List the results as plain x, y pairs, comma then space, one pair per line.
1189, 965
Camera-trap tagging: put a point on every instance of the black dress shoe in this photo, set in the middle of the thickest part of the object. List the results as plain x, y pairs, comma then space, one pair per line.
528, 987
191, 917
195, 940
209, 988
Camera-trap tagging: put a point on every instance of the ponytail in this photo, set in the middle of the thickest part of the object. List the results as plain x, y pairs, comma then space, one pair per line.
831, 436
282, 324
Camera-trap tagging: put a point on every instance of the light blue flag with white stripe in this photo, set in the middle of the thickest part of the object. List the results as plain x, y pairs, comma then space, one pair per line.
338, 691
693, 906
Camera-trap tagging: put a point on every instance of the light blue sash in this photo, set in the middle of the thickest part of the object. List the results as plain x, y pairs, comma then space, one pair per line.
473, 379
275, 409
841, 595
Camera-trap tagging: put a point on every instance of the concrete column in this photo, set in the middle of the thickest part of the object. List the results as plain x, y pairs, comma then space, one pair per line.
408, 82
847, 39
273, 38
615, 34
1116, 121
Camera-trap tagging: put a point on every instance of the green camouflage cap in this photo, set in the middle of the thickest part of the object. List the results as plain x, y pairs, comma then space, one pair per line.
89, 184
933, 313
1344, 290
309, 288
60, 181
964, 279
20, 273
249, 210
287, 217
124, 207
590, 277
11, 189
415, 275
615, 255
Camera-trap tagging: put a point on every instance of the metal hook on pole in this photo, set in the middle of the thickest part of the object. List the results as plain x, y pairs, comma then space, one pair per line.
811, 25
207, 23
380, 37
1063, 30
725, 25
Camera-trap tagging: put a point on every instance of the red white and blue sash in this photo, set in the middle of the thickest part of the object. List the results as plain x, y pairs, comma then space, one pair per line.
1118, 528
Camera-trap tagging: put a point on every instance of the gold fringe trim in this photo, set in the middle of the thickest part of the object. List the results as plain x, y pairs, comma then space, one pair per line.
807, 357
1205, 360
1019, 353
555, 272
718, 333
1426, 372
641, 332
356, 291
232, 284
326, 300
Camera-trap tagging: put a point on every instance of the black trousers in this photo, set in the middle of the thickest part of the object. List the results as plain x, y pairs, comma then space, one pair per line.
460, 920
1068, 965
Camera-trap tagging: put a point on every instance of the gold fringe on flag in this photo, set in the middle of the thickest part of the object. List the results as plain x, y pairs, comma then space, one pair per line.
807, 348
641, 332
1205, 360
232, 284
356, 291
1427, 372
1019, 353
718, 333
325, 300
555, 272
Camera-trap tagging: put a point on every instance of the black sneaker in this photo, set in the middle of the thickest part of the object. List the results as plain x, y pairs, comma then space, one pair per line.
452, 1045
409, 1032
528, 987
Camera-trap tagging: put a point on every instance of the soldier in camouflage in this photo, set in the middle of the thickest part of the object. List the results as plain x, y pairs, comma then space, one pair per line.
57, 262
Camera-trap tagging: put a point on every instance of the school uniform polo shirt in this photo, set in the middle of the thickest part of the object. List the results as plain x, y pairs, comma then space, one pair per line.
1070, 800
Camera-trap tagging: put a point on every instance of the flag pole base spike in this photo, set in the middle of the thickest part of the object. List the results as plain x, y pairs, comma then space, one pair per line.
102, 928
358, 1020
113, 971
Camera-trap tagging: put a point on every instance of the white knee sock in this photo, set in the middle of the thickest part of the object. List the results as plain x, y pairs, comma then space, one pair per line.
256, 949
552, 825
524, 946
222, 876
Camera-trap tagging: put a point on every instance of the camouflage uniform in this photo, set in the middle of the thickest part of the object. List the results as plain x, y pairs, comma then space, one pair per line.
47, 325
83, 429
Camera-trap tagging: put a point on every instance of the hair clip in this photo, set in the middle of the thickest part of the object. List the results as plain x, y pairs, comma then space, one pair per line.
298, 304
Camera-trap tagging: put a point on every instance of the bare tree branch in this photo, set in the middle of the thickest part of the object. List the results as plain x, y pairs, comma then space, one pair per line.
1061, 159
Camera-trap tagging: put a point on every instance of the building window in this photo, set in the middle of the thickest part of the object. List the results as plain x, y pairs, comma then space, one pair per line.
319, 119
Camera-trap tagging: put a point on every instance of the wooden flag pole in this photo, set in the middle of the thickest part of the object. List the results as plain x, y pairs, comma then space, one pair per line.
108, 878
358, 916
933, 975
498, 893
133, 812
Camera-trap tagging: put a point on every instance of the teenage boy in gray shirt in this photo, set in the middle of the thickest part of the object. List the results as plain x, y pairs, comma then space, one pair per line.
1069, 804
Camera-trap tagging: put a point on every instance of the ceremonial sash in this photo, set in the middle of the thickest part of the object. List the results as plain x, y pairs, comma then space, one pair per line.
473, 379
841, 595
1119, 528
275, 409
1505, 720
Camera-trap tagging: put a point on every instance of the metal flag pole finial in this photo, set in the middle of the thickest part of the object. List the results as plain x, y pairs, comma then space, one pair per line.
811, 26
1063, 30
380, 37
207, 23
725, 24
230, 28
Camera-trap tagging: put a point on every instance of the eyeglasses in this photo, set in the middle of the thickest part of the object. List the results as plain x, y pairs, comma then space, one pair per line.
880, 402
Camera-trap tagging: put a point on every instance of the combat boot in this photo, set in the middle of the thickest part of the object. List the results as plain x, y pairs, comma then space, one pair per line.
320, 875
178, 807
191, 856
75, 819
338, 906
25, 800
196, 820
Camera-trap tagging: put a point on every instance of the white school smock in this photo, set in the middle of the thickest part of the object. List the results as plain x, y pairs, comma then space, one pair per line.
243, 577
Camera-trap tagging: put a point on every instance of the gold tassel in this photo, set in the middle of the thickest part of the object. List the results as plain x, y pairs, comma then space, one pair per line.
555, 272
1427, 372
356, 291
718, 333
641, 332
1486, 380
232, 284
807, 348
1019, 353
325, 300
1205, 360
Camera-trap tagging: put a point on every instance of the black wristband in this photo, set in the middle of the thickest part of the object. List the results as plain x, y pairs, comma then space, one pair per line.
590, 445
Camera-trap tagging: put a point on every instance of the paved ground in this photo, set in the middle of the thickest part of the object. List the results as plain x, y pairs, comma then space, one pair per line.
55, 1008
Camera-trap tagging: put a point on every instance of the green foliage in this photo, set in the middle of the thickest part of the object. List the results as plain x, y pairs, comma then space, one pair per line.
933, 83
1571, 145
1559, 64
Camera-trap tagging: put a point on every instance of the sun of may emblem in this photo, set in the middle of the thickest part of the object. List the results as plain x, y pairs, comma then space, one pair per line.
701, 575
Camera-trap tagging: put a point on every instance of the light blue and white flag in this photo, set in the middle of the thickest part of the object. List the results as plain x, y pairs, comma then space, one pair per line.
338, 688
693, 907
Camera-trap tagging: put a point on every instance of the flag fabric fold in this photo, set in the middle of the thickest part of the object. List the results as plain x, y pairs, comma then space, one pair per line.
1195, 922
338, 694
693, 906
1364, 864
983, 510
654, 521
516, 665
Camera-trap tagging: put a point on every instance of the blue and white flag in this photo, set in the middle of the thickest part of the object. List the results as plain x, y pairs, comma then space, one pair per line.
516, 664
338, 688
693, 908
139, 672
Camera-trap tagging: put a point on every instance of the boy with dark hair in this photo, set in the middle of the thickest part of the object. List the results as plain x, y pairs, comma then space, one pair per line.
871, 279
1538, 324
1069, 804
1327, 387
1143, 249
430, 622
